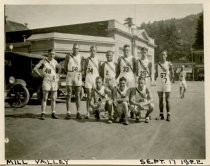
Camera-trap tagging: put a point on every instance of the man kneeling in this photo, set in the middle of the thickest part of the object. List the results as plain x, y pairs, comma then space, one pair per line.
100, 101
141, 100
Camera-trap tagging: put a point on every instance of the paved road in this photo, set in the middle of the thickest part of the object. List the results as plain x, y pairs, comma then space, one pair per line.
183, 137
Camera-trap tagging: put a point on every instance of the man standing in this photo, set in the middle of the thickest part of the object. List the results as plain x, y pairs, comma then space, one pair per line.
164, 74
144, 66
126, 67
91, 69
50, 81
108, 71
182, 82
72, 67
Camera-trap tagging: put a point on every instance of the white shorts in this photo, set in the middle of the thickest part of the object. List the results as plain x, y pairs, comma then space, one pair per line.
163, 87
49, 85
74, 79
131, 81
183, 84
90, 81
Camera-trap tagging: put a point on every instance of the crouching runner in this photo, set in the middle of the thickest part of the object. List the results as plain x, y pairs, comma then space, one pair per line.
100, 101
120, 99
141, 100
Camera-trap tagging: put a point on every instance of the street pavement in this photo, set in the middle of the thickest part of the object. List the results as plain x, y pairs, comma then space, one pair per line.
30, 138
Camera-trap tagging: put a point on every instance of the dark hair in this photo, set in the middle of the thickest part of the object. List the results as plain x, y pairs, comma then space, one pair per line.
92, 46
141, 78
123, 79
163, 50
109, 52
144, 48
98, 78
126, 45
75, 44
50, 50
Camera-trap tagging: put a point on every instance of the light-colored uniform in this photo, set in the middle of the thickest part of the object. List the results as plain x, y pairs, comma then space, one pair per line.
182, 80
91, 72
50, 80
109, 74
141, 97
121, 95
74, 75
100, 96
163, 80
143, 70
127, 72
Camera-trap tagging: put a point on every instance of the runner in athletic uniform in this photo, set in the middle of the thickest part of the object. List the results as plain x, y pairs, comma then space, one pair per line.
126, 67
164, 75
49, 67
121, 96
182, 82
142, 100
108, 73
72, 67
91, 69
144, 66
100, 101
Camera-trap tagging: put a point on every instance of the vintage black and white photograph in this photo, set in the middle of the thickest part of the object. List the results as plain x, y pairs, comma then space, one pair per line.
104, 81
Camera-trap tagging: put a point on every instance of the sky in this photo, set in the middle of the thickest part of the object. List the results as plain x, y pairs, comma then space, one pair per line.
38, 16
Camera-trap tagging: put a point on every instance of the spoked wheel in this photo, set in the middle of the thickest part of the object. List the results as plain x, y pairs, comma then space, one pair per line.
19, 96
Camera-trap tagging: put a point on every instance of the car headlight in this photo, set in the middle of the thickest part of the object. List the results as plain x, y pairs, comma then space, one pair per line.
11, 80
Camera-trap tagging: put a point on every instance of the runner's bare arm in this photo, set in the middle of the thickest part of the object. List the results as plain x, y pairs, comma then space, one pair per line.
149, 98
132, 99
35, 69
92, 102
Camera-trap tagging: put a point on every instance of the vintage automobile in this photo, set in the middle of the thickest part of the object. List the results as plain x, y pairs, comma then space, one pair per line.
18, 70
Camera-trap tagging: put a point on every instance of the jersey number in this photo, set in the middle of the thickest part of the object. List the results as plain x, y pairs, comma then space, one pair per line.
143, 73
163, 76
126, 69
90, 70
74, 68
48, 71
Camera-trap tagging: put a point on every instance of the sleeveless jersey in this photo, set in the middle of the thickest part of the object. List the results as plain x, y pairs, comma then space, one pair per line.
99, 95
141, 95
49, 69
92, 67
124, 67
109, 70
164, 76
121, 94
143, 68
74, 64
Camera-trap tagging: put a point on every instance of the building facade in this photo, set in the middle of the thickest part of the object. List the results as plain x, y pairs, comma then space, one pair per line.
106, 35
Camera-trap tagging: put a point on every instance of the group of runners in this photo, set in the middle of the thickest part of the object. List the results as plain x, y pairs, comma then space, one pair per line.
120, 89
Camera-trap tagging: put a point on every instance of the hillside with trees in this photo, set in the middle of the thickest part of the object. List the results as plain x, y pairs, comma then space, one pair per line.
175, 35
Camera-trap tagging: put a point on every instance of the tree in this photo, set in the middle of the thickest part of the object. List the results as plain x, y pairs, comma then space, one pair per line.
199, 33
